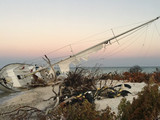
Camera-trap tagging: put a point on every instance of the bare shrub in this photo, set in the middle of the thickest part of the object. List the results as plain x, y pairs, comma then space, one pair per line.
135, 69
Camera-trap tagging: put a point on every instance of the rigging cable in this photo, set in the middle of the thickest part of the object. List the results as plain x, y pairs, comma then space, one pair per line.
114, 36
123, 38
157, 29
66, 46
119, 46
151, 42
145, 36
113, 53
79, 41
126, 46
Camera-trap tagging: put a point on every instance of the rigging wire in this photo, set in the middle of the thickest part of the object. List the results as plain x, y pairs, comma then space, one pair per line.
80, 41
124, 47
108, 30
77, 42
71, 50
114, 36
157, 29
124, 37
151, 42
115, 51
129, 24
54, 59
39, 57
102, 58
142, 49
128, 35
145, 37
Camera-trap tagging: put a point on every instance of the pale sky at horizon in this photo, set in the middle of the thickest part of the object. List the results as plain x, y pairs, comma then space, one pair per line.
32, 28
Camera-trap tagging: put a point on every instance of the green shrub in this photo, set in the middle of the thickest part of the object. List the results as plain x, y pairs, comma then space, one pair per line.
86, 111
145, 107
107, 114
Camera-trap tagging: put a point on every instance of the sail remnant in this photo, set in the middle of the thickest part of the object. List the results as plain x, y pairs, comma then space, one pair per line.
77, 58
64, 66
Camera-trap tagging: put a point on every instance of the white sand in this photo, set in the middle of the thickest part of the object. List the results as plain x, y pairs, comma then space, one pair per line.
36, 96
33, 98
114, 102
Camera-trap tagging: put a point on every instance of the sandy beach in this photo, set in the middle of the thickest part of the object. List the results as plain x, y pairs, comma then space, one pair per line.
35, 98
114, 102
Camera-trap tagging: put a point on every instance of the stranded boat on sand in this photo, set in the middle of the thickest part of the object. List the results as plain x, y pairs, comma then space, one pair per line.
15, 76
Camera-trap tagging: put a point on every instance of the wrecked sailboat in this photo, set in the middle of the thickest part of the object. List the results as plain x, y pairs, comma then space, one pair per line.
13, 76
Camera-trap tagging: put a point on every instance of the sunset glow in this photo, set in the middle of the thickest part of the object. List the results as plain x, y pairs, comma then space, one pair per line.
31, 29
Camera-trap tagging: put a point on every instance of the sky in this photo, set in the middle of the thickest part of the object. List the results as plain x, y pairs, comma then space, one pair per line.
29, 29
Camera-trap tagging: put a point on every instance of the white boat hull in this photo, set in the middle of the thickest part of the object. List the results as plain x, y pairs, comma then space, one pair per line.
7, 89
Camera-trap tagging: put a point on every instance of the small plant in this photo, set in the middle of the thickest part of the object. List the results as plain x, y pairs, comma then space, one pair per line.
122, 108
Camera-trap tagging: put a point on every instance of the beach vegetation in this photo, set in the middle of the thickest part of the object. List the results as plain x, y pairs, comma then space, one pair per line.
76, 103
84, 111
135, 69
145, 107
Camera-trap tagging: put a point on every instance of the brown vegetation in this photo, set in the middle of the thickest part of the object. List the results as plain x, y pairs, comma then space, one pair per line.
134, 77
145, 107
73, 103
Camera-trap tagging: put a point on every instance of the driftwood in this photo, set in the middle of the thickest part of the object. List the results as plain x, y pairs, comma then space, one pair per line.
78, 86
49, 62
24, 113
